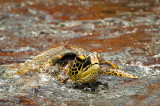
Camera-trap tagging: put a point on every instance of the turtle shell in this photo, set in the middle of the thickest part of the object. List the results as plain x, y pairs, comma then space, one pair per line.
65, 63
72, 64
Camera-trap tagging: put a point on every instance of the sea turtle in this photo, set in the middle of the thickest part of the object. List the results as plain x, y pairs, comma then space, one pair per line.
72, 64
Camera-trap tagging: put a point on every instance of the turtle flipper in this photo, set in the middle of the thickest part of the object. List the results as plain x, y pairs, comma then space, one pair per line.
107, 68
116, 72
109, 64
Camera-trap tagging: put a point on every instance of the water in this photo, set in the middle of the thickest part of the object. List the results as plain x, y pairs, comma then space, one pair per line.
124, 32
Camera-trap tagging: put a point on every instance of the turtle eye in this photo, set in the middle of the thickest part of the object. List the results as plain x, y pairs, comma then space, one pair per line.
98, 55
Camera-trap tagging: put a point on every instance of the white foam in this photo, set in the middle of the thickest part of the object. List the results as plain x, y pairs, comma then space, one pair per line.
155, 65
146, 70
156, 56
44, 78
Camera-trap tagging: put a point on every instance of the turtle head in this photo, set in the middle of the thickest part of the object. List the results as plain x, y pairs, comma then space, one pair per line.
84, 68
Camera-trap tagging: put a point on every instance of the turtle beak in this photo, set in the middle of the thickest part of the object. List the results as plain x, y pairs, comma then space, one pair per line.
94, 59
90, 61
93, 67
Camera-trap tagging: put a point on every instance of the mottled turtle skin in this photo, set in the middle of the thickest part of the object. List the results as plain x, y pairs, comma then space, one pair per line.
72, 65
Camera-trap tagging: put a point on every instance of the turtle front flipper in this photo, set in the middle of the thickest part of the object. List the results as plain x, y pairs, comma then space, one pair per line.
107, 68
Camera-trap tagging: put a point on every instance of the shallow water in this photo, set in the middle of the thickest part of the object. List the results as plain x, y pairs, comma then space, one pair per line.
124, 32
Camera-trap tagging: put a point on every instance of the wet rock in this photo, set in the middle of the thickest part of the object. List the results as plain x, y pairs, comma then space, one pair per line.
123, 32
